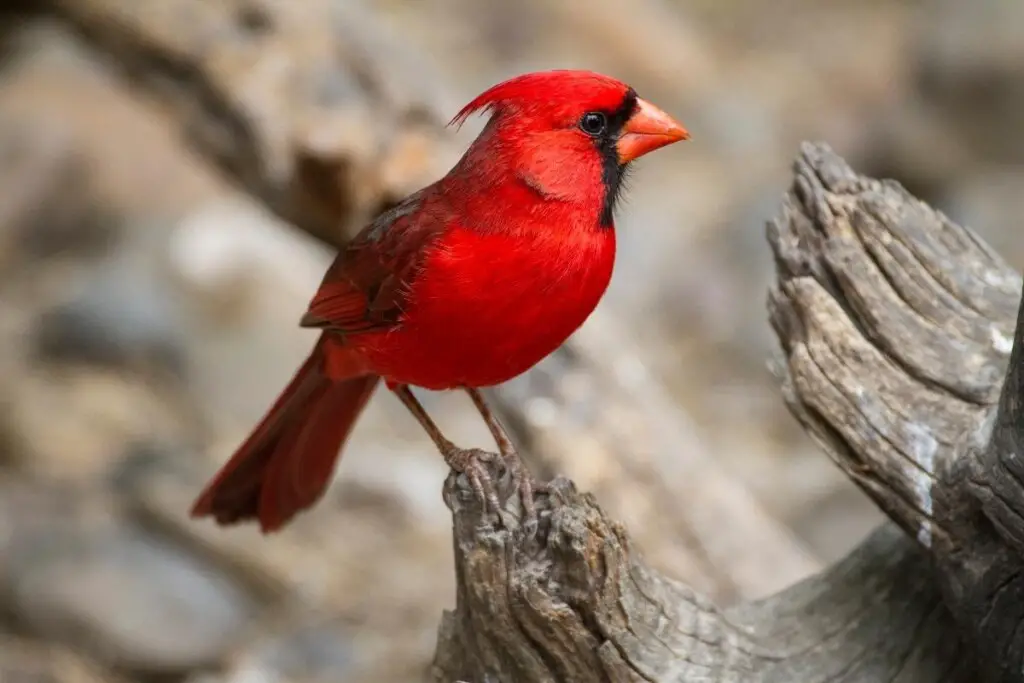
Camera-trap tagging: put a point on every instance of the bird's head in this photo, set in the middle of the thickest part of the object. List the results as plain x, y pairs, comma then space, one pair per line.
569, 135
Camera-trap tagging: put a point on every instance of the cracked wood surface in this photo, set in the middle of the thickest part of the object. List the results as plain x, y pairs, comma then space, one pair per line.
895, 327
579, 604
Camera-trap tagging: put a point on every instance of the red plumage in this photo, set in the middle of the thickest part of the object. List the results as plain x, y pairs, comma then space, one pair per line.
465, 284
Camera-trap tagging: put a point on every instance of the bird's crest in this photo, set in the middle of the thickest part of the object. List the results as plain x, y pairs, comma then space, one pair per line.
539, 86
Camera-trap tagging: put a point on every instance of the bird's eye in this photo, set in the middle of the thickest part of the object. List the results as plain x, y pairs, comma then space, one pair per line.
593, 123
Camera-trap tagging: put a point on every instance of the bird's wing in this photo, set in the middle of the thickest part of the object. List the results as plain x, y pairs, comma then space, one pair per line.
366, 287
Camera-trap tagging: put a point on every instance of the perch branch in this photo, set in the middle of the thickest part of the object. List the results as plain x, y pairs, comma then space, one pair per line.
897, 327
893, 355
993, 468
579, 604
893, 349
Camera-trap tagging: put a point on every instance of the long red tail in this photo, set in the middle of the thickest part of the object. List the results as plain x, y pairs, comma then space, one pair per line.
286, 463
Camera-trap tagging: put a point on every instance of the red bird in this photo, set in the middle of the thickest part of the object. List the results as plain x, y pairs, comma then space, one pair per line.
465, 284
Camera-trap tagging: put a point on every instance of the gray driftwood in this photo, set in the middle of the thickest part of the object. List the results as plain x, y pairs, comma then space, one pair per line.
896, 327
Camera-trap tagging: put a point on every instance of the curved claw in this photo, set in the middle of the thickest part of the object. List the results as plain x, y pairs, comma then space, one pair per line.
525, 486
470, 462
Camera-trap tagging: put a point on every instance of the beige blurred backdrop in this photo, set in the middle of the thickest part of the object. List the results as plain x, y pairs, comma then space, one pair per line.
149, 303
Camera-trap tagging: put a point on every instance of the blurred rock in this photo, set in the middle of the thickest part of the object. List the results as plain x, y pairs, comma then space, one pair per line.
48, 206
25, 661
125, 316
911, 142
990, 199
143, 459
395, 74
14, 14
312, 651
233, 258
135, 602
365, 545
72, 424
244, 277
968, 65
135, 164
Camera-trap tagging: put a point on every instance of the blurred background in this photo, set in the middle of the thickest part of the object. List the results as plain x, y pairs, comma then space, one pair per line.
156, 156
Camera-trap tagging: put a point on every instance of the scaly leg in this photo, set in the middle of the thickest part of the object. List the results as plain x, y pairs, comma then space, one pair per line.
468, 462
524, 482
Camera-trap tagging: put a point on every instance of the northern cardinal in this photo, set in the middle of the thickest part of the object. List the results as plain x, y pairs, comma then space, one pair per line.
465, 284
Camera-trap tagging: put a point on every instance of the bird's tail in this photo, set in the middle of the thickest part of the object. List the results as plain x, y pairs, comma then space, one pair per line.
286, 463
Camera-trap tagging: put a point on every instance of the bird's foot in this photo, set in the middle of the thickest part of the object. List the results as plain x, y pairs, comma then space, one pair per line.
526, 486
471, 462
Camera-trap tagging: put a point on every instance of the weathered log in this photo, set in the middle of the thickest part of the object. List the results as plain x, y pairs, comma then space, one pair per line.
579, 604
895, 325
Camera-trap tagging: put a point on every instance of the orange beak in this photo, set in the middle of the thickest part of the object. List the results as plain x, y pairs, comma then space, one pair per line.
646, 130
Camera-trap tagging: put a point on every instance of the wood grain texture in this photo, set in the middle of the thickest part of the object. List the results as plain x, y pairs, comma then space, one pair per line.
895, 328
895, 324
579, 604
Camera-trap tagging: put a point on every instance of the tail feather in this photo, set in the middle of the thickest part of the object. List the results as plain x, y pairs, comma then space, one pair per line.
286, 463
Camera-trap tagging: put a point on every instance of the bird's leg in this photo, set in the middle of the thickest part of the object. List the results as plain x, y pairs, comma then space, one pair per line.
468, 462
524, 482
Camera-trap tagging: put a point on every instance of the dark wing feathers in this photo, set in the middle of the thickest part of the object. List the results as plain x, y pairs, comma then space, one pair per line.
364, 290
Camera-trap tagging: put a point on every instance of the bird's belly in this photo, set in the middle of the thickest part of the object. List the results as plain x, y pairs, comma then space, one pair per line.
467, 349
483, 327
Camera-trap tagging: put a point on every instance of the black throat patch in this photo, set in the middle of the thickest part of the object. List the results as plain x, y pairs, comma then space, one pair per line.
613, 173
